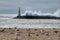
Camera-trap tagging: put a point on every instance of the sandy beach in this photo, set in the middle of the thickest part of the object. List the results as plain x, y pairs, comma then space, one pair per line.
30, 34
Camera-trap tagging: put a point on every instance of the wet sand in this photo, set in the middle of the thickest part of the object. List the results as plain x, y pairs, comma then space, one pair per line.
30, 34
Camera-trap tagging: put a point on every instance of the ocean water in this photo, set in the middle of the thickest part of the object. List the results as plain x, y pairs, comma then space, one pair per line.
7, 21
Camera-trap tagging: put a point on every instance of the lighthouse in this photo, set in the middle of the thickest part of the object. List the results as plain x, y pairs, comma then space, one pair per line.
18, 13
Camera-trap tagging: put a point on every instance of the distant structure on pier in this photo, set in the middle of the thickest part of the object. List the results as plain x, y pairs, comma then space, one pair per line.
34, 17
19, 13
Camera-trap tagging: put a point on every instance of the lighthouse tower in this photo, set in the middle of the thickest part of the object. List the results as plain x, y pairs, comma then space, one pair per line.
18, 13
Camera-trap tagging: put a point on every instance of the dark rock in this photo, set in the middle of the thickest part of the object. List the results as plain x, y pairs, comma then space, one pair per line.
54, 28
37, 34
17, 29
35, 29
29, 34
56, 31
2, 30
16, 39
47, 34
9, 28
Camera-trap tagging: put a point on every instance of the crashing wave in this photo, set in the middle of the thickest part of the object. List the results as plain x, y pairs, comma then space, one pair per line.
39, 13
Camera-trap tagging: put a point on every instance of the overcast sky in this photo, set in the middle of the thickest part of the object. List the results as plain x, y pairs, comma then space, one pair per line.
11, 6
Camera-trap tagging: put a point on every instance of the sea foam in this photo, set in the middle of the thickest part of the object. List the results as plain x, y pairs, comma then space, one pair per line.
39, 13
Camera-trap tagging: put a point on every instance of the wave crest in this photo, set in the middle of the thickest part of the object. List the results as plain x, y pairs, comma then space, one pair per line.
39, 13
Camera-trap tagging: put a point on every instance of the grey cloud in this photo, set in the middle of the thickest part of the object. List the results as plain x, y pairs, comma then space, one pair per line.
43, 5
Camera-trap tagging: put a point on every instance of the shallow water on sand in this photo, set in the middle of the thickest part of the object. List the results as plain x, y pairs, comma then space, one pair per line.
29, 23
